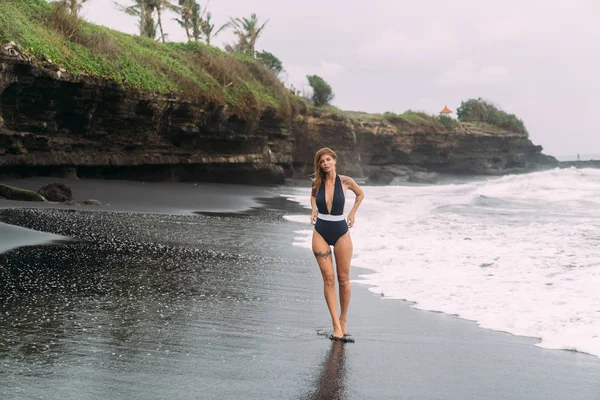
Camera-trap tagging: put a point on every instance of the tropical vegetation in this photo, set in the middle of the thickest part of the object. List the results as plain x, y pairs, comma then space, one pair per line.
239, 76
187, 70
479, 110
322, 92
247, 31
271, 61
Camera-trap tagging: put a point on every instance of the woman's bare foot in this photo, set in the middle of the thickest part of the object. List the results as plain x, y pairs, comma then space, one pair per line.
337, 330
343, 326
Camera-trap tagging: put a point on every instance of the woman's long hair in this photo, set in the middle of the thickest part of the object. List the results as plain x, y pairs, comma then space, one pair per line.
319, 174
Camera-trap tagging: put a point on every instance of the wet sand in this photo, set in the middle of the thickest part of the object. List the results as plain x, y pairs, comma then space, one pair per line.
221, 306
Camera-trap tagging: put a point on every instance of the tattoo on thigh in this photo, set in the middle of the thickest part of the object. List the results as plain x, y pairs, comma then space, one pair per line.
322, 254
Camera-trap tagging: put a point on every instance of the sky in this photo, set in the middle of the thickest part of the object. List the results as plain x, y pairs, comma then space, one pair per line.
538, 59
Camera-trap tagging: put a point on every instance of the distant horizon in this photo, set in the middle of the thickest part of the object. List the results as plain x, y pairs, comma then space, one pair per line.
571, 157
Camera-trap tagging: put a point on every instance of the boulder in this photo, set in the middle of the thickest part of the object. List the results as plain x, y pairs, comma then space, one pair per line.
381, 177
56, 192
13, 193
423, 177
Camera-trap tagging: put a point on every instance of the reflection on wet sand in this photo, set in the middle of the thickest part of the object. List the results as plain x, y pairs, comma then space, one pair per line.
331, 380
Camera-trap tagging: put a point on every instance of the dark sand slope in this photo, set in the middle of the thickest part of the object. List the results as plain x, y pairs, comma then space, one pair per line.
145, 306
155, 197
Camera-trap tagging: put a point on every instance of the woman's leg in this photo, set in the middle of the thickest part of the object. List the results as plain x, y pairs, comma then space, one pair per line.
343, 256
324, 258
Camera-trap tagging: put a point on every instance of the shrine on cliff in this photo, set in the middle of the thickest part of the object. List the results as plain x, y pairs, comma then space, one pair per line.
446, 111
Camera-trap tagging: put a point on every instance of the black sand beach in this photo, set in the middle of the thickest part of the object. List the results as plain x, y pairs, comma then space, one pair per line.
152, 197
154, 302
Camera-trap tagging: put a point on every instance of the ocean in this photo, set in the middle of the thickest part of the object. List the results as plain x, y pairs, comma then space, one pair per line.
518, 254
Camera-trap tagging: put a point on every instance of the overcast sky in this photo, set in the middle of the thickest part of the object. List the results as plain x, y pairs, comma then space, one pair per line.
538, 59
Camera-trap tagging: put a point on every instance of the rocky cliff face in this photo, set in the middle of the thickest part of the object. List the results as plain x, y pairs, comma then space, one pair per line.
51, 123
314, 129
55, 124
379, 151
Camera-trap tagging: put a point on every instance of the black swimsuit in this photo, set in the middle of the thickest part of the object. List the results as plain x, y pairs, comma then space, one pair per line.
331, 231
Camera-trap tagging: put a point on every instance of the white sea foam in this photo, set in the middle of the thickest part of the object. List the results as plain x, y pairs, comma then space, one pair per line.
519, 254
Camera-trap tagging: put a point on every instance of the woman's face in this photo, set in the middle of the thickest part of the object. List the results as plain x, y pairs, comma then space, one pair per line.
327, 163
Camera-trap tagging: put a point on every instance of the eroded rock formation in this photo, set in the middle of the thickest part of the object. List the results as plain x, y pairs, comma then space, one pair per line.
378, 150
66, 125
52, 123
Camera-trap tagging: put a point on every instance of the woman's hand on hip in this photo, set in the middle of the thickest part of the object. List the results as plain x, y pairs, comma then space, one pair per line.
350, 220
313, 217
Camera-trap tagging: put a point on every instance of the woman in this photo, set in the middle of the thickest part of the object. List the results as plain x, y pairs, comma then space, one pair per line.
327, 200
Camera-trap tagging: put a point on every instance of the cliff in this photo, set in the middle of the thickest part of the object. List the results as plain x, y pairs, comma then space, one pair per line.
374, 148
78, 98
53, 123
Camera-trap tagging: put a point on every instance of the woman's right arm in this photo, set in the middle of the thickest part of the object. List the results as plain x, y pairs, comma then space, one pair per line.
313, 203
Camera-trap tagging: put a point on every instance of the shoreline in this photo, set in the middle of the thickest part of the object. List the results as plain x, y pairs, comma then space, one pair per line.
260, 208
536, 340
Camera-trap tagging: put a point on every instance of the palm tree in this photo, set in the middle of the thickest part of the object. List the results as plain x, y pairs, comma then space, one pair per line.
247, 31
144, 9
72, 5
194, 22
208, 28
196, 19
160, 6
186, 10
75, 6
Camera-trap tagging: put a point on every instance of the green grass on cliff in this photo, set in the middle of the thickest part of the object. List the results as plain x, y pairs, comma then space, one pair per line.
418, 121
187, 70
411, 121
407, 122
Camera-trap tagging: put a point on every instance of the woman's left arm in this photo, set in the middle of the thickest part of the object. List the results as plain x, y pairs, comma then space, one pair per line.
360, 195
